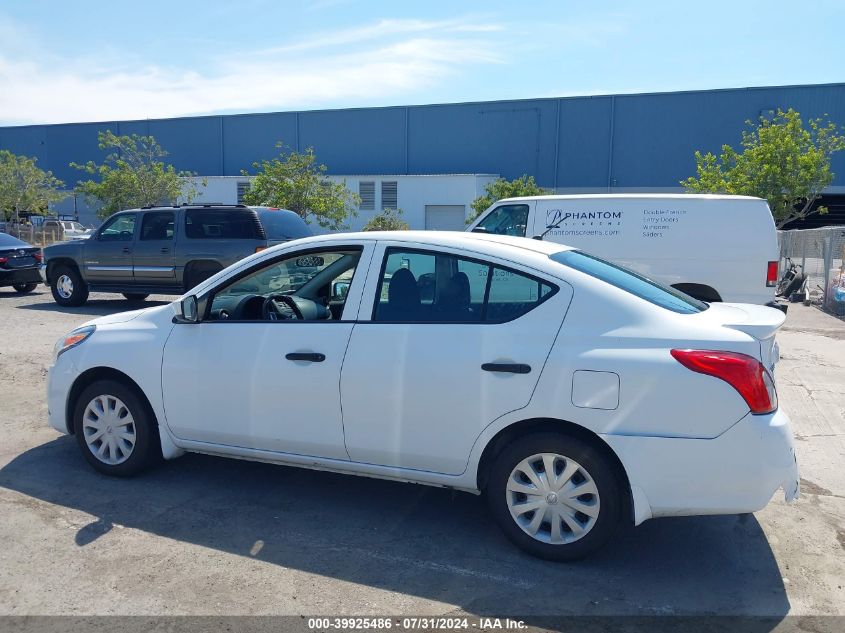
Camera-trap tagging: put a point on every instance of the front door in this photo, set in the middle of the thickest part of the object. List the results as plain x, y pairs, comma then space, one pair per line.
244, 378
445, 345
154, 260
107, 255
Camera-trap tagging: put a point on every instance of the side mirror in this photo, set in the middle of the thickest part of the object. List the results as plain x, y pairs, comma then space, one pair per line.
189, 310
479, 229
340, 289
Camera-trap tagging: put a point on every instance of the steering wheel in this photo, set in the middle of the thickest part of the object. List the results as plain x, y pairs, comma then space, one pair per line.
280, 308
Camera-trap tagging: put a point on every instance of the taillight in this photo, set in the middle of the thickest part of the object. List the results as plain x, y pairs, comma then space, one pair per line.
38, 256
3, 260
772, 275
744, 373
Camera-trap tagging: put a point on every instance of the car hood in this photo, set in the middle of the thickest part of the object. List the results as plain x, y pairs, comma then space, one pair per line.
125, 317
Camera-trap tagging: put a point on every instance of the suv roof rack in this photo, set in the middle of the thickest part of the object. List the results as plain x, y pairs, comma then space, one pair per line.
192, 204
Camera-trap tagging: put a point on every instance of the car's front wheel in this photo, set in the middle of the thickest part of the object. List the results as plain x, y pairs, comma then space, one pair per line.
555, 496
68, 287
115, 429
24, 288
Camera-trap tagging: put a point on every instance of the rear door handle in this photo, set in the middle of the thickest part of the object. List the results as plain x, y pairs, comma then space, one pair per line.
507, 368
311, 357
126, 249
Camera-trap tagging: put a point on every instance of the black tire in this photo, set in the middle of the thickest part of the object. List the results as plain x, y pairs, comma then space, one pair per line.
199, 273
795, 285
610, 499
78, 294
146, 449
24, 288
135, 296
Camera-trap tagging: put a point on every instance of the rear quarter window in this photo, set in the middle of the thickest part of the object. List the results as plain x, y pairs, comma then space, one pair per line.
222, 224
629, 281
283, 225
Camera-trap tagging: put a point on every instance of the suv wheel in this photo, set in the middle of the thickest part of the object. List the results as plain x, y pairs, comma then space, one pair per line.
135, 296
555, 496
115, 429
67, 287
24, 288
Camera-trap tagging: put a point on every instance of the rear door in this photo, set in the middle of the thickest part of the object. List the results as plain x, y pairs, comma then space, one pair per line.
445, 344
107, 255
153, 262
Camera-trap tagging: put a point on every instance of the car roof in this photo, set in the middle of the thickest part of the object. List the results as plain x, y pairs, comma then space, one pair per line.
631, 196
479, 242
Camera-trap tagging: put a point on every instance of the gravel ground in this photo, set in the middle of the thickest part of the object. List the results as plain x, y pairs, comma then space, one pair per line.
204, 535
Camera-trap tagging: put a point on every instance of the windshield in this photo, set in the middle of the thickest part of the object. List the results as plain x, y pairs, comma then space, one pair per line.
7, 241
652, 291
280, 224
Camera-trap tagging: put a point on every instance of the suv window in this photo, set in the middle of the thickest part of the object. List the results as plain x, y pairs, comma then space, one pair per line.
119, 228
627, 280
431, 287
509, 219
157, 225
280, 224
222, 224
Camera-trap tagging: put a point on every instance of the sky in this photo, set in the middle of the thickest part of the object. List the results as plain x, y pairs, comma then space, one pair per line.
95, 60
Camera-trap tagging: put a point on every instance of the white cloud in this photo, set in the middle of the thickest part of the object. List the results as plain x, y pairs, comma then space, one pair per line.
390, 58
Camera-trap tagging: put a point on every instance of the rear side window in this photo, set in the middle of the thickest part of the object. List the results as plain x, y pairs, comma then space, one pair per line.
222, 224
432, 287
157, 226
282, 225
627, 280
509, 219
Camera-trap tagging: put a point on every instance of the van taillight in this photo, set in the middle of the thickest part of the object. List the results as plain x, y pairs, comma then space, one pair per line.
744, 373
772, 275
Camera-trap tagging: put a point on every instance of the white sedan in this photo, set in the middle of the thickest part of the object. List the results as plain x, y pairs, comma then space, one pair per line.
574, 394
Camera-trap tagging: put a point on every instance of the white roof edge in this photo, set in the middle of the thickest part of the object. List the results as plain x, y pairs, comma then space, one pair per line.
634, 196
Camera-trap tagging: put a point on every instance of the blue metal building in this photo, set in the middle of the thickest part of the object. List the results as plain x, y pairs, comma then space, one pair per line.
598, 143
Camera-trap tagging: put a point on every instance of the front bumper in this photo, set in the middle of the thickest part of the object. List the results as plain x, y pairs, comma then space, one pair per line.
734, 473
60, 377
19, 276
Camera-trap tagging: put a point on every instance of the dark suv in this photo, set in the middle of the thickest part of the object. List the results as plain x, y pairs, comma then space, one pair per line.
163, 250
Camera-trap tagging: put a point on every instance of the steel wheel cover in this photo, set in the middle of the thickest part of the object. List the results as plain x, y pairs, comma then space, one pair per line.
64, 286
553, 498
109, 429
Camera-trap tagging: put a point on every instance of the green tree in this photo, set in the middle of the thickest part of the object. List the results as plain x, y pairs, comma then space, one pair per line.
387, 220
296, 181
133, 175
26, 187
781, 160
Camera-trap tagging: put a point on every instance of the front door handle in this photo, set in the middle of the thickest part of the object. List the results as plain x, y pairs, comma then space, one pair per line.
126, 249
311, 357
164, 249
507, 368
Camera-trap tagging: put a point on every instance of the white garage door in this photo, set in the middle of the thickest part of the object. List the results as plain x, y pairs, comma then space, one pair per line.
445, 217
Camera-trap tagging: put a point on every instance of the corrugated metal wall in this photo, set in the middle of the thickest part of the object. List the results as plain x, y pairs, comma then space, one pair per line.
580, 142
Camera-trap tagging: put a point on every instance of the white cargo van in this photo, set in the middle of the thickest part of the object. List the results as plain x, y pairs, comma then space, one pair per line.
713, 247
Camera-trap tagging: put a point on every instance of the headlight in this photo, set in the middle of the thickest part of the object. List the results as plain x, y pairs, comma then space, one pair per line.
73, 339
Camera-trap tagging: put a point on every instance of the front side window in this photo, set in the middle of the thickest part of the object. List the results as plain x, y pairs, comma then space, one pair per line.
157, 225
222, 224
120, 228
433, 287
509, 219
311, 286
631, 282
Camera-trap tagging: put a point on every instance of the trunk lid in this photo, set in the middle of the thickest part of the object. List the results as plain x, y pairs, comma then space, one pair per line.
759, 322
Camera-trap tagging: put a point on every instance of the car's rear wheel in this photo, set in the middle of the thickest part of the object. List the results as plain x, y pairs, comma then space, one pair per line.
135, 296
115, 429
24, 288
67, 287
555, 496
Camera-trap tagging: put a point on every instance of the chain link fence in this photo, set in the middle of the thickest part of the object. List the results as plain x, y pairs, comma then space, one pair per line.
821, 255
